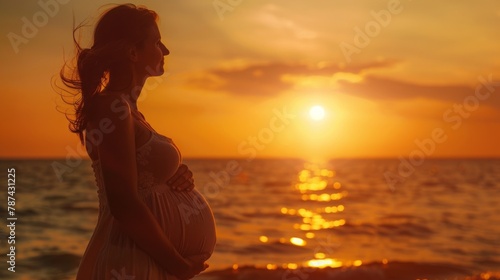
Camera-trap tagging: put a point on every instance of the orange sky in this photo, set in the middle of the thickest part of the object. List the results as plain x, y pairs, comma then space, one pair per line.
241, 79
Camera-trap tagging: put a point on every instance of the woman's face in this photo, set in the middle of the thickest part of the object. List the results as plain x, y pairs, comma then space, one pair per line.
150, 54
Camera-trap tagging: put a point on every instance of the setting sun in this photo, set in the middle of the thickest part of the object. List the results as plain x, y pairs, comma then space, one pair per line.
317, 113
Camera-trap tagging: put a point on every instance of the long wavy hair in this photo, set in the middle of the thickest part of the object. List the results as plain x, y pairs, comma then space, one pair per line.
118, 29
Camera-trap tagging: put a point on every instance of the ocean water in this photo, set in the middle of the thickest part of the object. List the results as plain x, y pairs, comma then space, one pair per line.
281, 213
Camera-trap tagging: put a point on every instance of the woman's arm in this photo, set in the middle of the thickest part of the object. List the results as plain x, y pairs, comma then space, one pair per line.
117, 155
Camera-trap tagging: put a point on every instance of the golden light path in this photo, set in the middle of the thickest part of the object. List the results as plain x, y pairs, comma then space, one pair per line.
317, 185
320, 186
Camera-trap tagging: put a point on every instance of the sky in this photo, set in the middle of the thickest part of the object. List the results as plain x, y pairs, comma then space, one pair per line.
395, 79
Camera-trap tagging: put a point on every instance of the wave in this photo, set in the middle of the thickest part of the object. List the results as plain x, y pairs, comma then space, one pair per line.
269, 248
54, 266
372, 271
409, 229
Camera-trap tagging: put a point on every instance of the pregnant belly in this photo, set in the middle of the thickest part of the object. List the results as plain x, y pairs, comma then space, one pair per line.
187, 220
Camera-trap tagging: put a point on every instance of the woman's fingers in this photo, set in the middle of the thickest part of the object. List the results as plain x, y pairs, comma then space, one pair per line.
198, 262
199, 259
184, 186
197, 265
182, 180
182, 168
180, 171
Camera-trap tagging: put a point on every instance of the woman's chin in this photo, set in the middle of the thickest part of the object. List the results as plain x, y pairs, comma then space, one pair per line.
161, 70
157, 73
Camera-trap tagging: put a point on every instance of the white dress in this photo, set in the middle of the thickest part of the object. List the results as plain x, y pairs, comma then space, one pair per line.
185, 217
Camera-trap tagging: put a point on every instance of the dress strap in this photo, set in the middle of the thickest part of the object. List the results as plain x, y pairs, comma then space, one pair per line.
142, 119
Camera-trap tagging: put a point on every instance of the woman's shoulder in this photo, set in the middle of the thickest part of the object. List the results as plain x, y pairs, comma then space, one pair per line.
111, 113
111, 106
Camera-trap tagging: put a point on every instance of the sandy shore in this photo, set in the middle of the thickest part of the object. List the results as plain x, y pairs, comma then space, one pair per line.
373, 271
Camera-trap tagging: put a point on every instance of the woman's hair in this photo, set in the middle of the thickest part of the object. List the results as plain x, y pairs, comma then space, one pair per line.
117, 30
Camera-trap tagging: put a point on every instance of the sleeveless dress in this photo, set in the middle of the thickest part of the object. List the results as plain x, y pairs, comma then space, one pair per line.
185, 217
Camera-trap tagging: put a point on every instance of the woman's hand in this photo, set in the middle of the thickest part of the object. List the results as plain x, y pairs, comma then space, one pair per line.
196, 264
182, 180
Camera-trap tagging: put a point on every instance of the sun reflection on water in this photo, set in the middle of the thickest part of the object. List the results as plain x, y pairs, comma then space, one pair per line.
318, 187
321, 208
318, 184
322, 263
297, 241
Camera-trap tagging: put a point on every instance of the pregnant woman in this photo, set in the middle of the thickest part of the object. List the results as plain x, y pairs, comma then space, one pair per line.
152, 223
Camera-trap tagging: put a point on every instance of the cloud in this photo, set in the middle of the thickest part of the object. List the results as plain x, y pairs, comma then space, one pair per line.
379, 88
269, 18
429, 101
266, 79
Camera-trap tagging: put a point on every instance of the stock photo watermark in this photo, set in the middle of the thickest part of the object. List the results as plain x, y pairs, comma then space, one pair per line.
363, 36
224, 6
280, 120
75, 156
11, 219
453, 117
31, 26
249, 148
122, 275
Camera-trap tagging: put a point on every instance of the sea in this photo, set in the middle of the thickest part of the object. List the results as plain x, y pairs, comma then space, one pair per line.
277, 213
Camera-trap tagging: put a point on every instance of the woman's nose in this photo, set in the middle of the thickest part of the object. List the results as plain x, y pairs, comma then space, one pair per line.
164, 49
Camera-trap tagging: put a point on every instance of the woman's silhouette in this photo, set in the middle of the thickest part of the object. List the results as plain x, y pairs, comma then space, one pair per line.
152, 224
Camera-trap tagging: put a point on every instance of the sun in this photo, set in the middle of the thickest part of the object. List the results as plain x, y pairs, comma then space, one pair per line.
317, 113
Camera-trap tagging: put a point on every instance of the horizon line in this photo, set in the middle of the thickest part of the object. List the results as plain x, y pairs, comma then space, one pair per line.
274, 158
